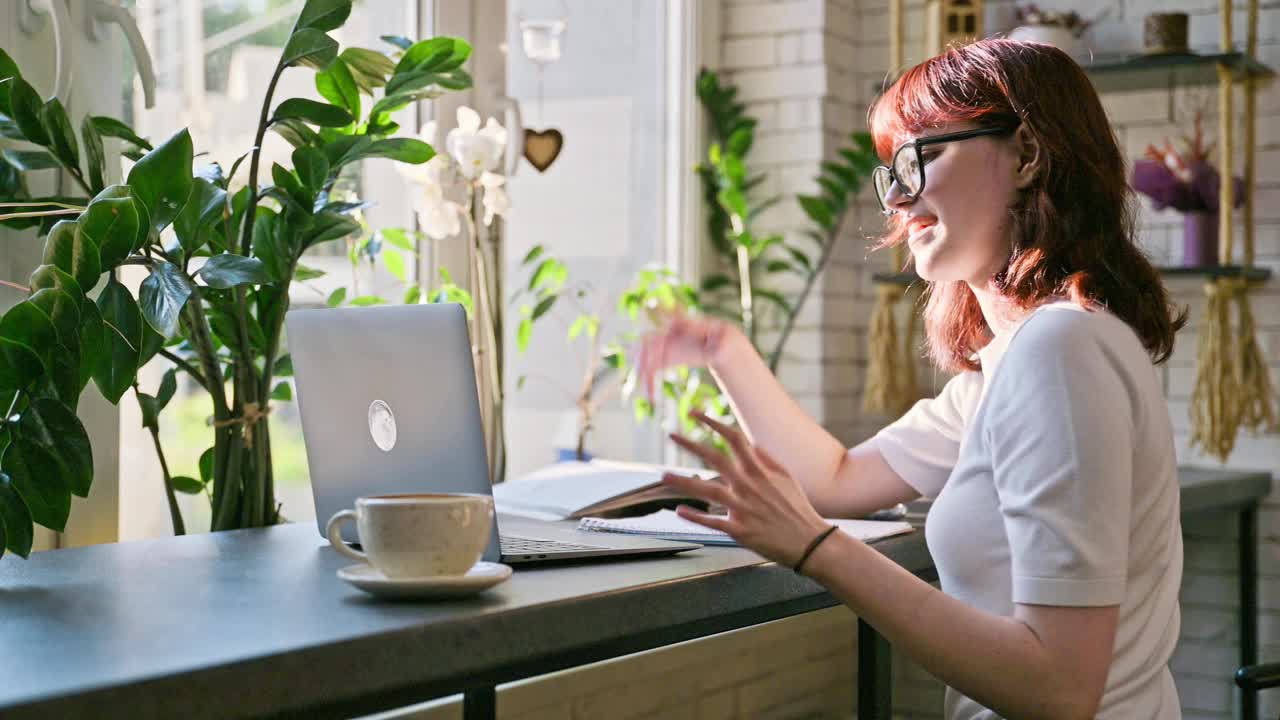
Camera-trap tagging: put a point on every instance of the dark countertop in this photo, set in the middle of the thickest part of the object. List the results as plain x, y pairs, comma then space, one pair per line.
254, 622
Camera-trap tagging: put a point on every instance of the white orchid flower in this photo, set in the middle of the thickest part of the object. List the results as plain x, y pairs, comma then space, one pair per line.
439, 218
476, 150
496, 201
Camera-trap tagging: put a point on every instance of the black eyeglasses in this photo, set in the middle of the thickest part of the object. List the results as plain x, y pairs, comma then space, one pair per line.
907, 166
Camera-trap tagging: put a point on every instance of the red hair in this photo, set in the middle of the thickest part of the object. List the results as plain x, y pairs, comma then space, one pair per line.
1072, 228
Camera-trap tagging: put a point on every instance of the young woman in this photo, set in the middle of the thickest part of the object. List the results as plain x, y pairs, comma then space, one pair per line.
1055, 526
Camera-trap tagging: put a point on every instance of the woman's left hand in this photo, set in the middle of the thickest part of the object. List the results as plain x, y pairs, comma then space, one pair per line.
768, 510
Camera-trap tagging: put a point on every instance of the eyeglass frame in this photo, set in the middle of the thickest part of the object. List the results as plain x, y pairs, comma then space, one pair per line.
918, 145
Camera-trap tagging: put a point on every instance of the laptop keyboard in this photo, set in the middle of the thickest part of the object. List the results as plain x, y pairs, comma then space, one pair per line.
525, 546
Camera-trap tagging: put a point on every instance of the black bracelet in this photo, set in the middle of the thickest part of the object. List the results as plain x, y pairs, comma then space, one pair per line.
813, 546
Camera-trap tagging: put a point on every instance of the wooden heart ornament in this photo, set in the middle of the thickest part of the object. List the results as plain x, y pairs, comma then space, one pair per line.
542, 147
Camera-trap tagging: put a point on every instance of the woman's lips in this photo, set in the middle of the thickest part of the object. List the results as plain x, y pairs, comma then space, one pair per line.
919, 225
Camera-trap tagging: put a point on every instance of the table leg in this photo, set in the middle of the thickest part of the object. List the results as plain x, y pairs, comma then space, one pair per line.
875, 688
1249, 604
480, 704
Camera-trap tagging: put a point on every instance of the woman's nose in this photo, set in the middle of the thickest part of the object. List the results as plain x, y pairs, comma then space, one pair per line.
895, 198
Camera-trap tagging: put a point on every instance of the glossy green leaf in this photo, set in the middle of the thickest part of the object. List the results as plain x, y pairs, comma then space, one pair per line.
27, 324
328, 226
8, 69
94, 351
206, 465
110, 127
61, 134
63, 311
368, 300
111, 224
38, 479
345, 150
162, 179
336, 297
267, 245
162, 296
324, 14
108, 220
406, 150
188, 485
229, 270
312, 168
29, 160
439, 55
413, 294
316, 113
49, 276
73, 252
297, 133
369, 68
26, 109
310, 47
337, 85
15, 518
204, 206
123, 331
168, 386
56, 429
19, 364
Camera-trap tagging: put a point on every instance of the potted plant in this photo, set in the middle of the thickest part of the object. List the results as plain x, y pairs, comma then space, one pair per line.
1059, 28
220, 262
1187, 182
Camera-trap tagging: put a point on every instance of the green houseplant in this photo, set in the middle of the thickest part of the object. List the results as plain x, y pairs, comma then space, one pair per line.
220, 263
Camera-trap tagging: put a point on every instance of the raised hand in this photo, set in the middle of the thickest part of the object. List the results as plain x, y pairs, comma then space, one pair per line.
680, 339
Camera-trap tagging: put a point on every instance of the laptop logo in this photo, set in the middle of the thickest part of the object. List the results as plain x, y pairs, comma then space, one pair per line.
382, 425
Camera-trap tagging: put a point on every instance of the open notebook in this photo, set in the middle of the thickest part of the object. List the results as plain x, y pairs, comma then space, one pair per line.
666, 524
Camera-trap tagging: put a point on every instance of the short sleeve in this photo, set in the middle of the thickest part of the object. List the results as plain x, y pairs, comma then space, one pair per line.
1060, 428
923, 445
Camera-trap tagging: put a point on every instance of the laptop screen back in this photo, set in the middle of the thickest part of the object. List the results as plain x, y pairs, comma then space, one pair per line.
388, 401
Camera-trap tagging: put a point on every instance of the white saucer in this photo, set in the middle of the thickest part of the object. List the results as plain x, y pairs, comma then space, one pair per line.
481, 576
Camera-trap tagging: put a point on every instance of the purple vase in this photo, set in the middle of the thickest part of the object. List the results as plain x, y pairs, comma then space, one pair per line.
1199, 238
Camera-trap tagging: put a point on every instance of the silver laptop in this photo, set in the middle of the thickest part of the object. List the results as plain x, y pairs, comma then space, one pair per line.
388, 401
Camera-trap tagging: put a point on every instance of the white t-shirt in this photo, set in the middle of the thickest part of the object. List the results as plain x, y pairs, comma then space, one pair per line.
1055, 483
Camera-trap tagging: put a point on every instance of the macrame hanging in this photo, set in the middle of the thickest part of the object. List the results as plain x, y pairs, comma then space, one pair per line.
1233, 386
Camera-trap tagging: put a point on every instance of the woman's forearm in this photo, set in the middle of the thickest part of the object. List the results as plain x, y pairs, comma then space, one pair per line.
775, 421
997, 661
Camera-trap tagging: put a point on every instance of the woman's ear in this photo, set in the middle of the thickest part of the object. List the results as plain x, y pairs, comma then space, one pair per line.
1029, 156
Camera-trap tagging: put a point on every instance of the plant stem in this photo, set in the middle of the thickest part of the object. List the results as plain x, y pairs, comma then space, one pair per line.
246, 233
15, 286
175, 513
9, 413
188, 367
775, 357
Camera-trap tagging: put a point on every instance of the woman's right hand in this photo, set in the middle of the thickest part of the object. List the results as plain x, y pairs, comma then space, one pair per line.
680, 339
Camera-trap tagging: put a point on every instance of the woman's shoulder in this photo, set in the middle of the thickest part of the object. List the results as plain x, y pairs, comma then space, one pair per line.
1065, 334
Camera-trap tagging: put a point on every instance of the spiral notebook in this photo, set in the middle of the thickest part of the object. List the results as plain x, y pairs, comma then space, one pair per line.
667, 525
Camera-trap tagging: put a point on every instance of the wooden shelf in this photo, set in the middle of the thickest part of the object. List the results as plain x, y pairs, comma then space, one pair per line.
1255, 274
1137, 71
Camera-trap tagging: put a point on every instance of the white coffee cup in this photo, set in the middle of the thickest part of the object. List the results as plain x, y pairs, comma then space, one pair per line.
417, 535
